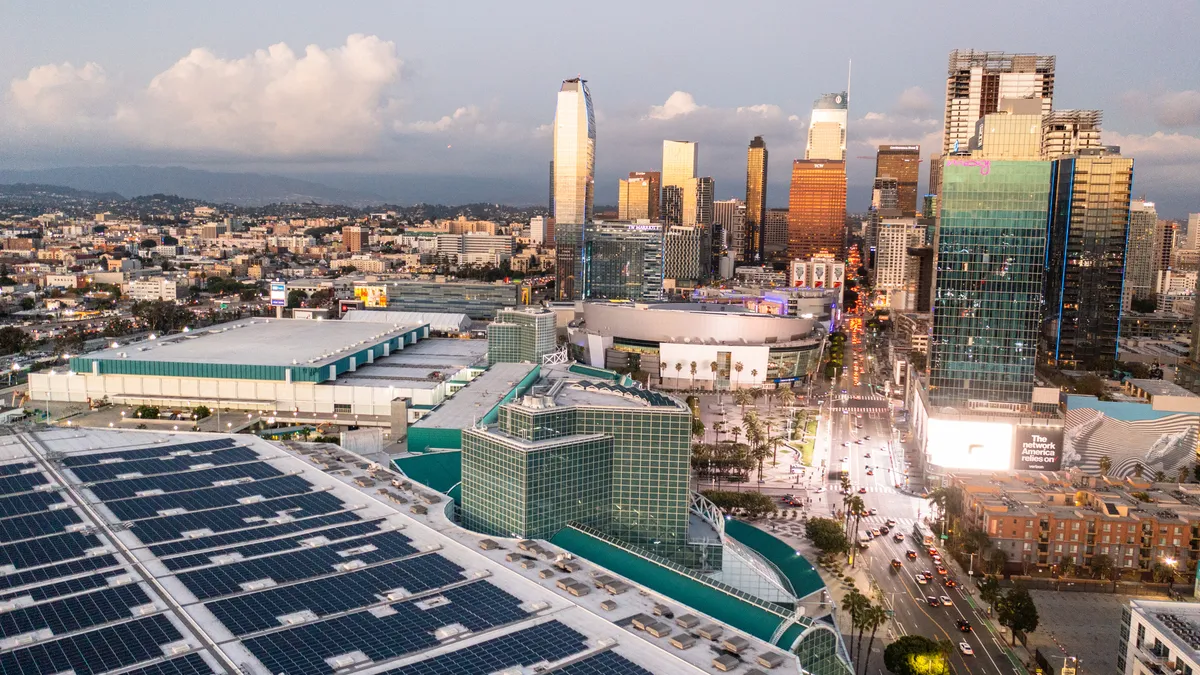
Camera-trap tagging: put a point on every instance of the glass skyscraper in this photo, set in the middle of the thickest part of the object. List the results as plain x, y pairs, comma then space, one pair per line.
1086, 258
574, 179
991, 250
522, 334
623, 261
753, 234
817, 209
903, 163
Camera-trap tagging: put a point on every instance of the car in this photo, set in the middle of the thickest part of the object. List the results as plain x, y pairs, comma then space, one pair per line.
866, 438
872, 511
927, 574
950, 583
867, 455
846, 444
920, 579
876, 533
870, 472
898, 538
868, 535
891, 522
862, 491
884, 529
946, 601
966, 649
911, 555
896, 564
941, 571
859, 442
932, 600
964, 626
937, 559
933, 551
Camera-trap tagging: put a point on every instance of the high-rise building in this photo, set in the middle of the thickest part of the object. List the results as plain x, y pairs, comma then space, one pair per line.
775, 235
655, 180
923, 255
1193, 231
702, 188
541, 230
1085, 257
817, 209
522, 334
679, 168
827, 130
1013, 132
624, 261
885, 203
551, 211
672, 205
897, 272
354, 238
991, 248
756, 202
729, 217
569, 264
903, 163
633, 199
685, 262
977, 81
574, 153
1140, 253
935, 185
1067, 132
1166, 235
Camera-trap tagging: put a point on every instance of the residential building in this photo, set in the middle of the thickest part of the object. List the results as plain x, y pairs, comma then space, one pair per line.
541, 230
976, 81
685, 258
1159, 636
817, 208
672, 205
775, 235
1166, 237
902, 163
827, 129
897, 272
702, 188
1140, 266
633, 199
478, 249
655, 180
729, 218
1089, 222
624, 261
354, 238
154, 289
522, 335
752, 246
1069, 132
1193, 231
923, 257
991, 247
574, 154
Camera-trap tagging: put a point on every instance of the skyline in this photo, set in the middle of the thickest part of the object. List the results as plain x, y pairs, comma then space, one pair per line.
367, 91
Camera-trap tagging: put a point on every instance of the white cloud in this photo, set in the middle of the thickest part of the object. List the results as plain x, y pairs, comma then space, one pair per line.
678, 104
465, 117
762, 110
914, 100
58, 94
1179, 109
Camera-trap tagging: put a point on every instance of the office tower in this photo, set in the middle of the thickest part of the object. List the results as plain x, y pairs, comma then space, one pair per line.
655, 180
624, 261
678, 169
551, 211
991, 247
611, 457
935, 184
885, 194
1166, 234
977, 81
897, 273
541, 231
574, 153
827, 131
1013, 132
672, 205
1069, 132
756, 201
729, 217
817, 209
702, 190
1193, 231
522, 334
1140, 253
775, 235
354, 238
569, 264
903, 163
633, 199
684, 260
1085, 259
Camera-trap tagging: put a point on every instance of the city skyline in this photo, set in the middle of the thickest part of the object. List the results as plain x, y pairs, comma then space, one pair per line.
80, 102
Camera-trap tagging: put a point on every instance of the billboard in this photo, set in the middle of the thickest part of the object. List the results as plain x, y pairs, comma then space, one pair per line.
372, 296
818, 275
278, 294
961, 444
1037, 448
838, 275
799, 274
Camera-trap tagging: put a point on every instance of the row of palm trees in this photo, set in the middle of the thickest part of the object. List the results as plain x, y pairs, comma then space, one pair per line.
762, 445
852, 507
694, 367
864, 616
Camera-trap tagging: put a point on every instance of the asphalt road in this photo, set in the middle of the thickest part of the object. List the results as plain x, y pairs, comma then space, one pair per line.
912, 613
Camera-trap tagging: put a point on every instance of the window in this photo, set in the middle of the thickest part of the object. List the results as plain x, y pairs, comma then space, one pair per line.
1105, 539
342, 408
1104, 550
1058, 548
1029, 523
1061, 524
1075, 525
1107, 527
1074, 548
1141, 634
1175, 542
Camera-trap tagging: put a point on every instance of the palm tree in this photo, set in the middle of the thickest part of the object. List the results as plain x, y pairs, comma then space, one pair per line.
743, 398
735, 431
857, 605
738, 368
713, 367
859, 509
775, 441
717, 427
787, 398
678, 370
1160, 476
693, 370
754, 374
662, 371
1105, 465
873, 618
1138, 469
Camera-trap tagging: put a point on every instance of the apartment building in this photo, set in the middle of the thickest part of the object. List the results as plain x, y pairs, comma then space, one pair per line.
1159, 636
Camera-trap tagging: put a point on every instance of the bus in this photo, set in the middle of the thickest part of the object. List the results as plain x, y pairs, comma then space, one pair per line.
923, 534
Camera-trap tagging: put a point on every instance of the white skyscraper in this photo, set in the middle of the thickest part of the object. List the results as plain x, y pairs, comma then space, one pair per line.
574, 153
827, 131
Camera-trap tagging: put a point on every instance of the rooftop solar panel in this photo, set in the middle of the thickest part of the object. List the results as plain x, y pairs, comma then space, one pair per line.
604, 663
31, 502
187, 480
36, 524
98, 651
47, 550
49, 572
15, 468
257, 548
161, 465
166, 528
21, 482
162, 450
74, 613
190, 664
207, 498
550, 641
49, 591
252, 533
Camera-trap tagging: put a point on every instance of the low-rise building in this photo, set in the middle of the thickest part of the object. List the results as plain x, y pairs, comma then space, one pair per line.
155, 289
1159, 636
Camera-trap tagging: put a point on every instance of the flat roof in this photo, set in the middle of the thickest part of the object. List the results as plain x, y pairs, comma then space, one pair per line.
259, 342
415, 365
1160, 387
473, 401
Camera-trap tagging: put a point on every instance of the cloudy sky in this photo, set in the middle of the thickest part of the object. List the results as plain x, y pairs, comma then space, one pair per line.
466, 89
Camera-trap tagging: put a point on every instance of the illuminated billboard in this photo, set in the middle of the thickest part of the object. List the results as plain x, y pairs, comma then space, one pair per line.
278, 294
960, 444
372, 296
818, 275
838, 275
799, 274
1038, 448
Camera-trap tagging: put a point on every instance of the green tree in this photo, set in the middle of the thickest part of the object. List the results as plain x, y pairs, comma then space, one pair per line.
28, 303
201, 411
787, 398
827, 535
1101, 565
1144, 305
117, 327
752, 505
917, 359
858, 509
915, 655
1016, 611
295, 298
1182, 474
13, 340
692, 369
697, 428
1067, 567
146, 412
1138, 470
1090, 385
742, 397
1105, 465
989, 589
873, 618
857, 605
738, 367
997, 561
147, 244
1160, 476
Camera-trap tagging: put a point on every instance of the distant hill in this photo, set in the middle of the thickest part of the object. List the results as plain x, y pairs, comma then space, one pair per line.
242, 189
39, 191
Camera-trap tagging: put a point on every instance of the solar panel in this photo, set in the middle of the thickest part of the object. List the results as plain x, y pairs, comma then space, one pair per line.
252, 533
550, 641
187, 480
22, 482
47, 550
604, 663
36, 524
49, 572
162, 465
211, 582
10, 469
75, 612
207, 498
98, 651
145, 453
32, 502
253, 612
166, 528
60, 588
477, 606
191, 664
257, 548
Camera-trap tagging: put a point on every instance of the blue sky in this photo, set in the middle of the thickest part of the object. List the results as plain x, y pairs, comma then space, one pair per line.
467, 88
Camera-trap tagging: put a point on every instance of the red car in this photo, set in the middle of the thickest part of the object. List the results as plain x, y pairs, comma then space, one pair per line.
862, 491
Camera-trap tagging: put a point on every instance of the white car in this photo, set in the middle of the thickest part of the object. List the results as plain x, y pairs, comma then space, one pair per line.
946, 601
921, 579
966, 649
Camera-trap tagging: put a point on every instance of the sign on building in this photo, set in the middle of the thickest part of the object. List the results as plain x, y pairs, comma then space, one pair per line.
818, 275
1037, 448
278, 294
372, 296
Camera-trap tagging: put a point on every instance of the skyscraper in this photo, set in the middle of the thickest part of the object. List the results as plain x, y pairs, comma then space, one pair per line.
672, 205
624, 261
574, 153
1141, 269
991, 248
902, 162
633, 199
678, 168
1066, 132
827, 131
817, 209
935, 185
977, 81
1086, 257
655, 180
729, 216
354, 238
897, 272
574, 181
775, 235
756, 201
1012, 132
1166, 232
702, 211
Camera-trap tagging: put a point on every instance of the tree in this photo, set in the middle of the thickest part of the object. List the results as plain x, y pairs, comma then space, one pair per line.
1067, 566
787, 398
1144, 305
989, 589
827, 535
737, 367
1105, 465
714, 367
13, 340
147, 244
146, 412
1196, 472
857, 605
201, 411
1138, 470
752, 504
874, 617
692, 370
997, 561
915, 655
27, 303
1017, 611
743, 398
859, 510
1182, 474
917, 359
161, 316
697, 428
1101, 565
1160, 476
1090, 385
295, 298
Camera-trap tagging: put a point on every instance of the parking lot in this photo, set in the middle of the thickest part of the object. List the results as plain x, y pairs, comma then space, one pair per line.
1085, 625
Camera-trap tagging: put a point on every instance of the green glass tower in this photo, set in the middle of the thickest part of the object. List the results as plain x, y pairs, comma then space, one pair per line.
991, 249
521, 335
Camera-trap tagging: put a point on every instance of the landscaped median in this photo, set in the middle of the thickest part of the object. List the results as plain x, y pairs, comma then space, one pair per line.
804, 435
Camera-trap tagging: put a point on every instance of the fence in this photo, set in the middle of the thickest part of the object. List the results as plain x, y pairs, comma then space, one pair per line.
1087, 585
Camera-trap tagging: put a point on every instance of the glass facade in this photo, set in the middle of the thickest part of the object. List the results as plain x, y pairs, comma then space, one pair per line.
477, 300
623, 261
991, 250
522, 335
1141, 264
574, 153
633, 199
753, 235
902, 162
568, 260
1085, 259
817, 209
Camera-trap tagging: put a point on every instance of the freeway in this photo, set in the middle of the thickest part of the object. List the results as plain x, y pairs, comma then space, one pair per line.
861, 435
